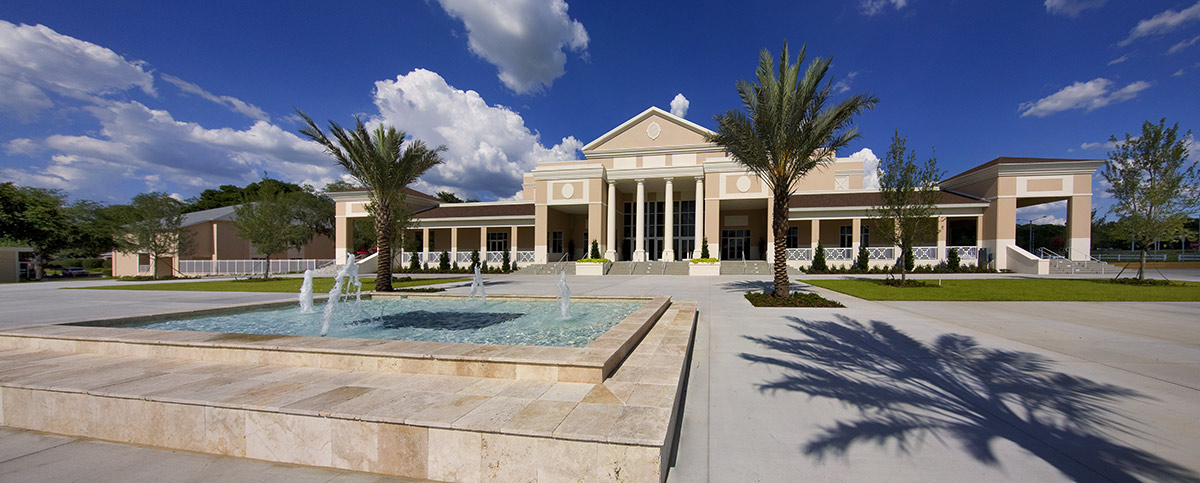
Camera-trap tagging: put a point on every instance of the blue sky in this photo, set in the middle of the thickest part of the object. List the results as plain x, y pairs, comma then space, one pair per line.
109, 99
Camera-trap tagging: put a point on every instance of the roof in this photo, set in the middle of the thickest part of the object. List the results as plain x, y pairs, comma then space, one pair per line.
407, 191
472, 210
863, 198
224, 213
652, 110
1008, 160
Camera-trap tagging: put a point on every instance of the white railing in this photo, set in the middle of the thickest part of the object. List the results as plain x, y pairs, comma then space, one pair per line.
881, 253
495, 257
406, 258
799, 254
1189, 257
966, 253
1162, 257
433, 257
525, 257
925, 253
839, 253
245, 267
464, 257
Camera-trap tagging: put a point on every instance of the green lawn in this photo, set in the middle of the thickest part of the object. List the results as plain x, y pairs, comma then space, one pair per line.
1009, 289
283, 285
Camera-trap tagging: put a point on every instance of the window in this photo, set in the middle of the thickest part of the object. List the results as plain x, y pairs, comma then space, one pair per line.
864, 236
497, 242
846, 236
793, 236
556, 242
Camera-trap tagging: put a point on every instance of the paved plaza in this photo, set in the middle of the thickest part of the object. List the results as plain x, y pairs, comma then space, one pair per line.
876, 391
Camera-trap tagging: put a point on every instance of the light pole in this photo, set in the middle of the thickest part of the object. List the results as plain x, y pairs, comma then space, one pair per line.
1030, 222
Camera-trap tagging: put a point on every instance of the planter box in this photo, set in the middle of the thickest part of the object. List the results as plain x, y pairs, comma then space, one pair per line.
709, 269
591, 268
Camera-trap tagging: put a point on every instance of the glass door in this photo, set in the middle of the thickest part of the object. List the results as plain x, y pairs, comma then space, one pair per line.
735, 244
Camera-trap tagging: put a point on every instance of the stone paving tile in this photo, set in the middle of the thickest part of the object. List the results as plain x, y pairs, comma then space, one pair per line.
567, 391
442, 413
589, 422
493, 414
527, 389
538, 418
320, 404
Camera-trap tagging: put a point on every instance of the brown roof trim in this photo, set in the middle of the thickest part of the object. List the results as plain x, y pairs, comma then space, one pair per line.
1008, 160
869, 198
470, 210
407, 191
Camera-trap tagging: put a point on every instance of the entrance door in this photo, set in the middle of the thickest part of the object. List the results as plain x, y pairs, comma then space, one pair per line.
735, 244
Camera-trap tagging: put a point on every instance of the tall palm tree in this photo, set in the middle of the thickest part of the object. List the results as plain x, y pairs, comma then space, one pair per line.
381, 161
790, 127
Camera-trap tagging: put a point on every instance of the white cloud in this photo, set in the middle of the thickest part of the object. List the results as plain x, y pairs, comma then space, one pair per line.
874, 7
1165, 22
1178, 73
1071, 8
870, 167
489, 148
679, 105
1053, 213
36, 61
232, 103
1098, 145
21, 146
1118, 60
1089, 95
1183, 45
843, 85
525, 39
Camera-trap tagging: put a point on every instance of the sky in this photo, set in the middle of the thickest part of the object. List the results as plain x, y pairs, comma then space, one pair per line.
106, 100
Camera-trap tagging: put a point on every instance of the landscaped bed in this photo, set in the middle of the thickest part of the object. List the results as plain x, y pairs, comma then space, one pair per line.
1017, 289
290, 285
797, 299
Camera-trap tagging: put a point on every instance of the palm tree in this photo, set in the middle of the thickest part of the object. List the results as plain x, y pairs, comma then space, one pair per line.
381, 161
788, 129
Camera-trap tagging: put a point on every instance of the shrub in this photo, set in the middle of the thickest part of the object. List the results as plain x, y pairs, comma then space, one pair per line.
818, 264
863, 261
952, 261
704, 249
797, 299
444, 261
704, 260
414, 262
506, 264
474, 259
909, 261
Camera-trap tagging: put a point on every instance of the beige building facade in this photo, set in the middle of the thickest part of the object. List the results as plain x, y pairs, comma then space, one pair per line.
652, 189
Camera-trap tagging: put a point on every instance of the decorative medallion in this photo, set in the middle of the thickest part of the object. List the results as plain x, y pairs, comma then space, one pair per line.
743, 184
568, 190
653, 130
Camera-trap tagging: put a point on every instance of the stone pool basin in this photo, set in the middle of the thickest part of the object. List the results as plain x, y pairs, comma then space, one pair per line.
428, 410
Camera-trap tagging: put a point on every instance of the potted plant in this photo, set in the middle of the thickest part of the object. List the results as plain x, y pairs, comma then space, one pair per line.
705, 266
594, 264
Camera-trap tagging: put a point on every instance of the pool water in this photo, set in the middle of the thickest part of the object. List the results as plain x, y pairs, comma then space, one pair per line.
509, 322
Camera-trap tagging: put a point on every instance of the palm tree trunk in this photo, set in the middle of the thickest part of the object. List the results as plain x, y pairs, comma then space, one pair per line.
383, 270
779, 225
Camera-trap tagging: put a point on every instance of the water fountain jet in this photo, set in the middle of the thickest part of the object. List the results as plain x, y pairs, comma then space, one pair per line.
564, 294
335, 293
477, 286
306, 294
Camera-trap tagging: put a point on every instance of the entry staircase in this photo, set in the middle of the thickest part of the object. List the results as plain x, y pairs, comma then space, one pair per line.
1061, 265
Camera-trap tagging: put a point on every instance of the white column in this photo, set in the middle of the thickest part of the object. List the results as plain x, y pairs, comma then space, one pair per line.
668, 253
639, 239
610, 242
942, 223
699, 216
483, 245
424, 246
512, 248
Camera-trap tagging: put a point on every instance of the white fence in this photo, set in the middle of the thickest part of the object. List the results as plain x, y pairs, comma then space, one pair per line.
799, 254
525, 257
1162, 257
966, 253
244, 267
839, 253
925, 253
881, 253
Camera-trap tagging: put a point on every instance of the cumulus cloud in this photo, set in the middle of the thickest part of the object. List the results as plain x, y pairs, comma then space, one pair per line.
37, 63
526, 39
1183, 45
874, 7
489, 148
1053, 213
1071, 8
870, 168
1165, 22
679, 105
1098, 145
843, 85
1089, 96
232, 103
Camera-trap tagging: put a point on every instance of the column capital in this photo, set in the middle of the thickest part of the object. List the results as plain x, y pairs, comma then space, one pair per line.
669, 179
640, 180
700, 178
611, 182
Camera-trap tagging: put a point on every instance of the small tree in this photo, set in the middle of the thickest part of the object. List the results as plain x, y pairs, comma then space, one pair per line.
908, 195
474, 258
271, 224
704, 248
156, 227
819, 264
952, 260
595, 250
907, 260
571, 249
862, 261
1154, 185
414, 262
506, 263
444, 261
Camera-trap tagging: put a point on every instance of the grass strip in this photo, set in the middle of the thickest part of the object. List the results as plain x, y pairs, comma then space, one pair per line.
281, 285
1017, 289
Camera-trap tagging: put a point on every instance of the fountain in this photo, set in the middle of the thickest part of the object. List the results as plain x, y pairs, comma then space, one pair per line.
477, 286
306, 294
356, 284
564, 294
335, 293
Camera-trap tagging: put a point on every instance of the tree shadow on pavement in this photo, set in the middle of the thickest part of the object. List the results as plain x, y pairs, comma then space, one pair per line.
954, 389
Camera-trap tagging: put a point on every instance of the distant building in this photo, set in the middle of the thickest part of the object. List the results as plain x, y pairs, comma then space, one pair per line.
653, 189
11, 258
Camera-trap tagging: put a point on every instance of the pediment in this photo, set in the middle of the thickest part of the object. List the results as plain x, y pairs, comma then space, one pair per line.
654, 128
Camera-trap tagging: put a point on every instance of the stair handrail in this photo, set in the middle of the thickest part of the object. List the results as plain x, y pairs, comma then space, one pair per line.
1043, 251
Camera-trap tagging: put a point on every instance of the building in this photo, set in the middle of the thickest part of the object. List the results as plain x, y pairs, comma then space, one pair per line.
216, 249
653, 189
11, 257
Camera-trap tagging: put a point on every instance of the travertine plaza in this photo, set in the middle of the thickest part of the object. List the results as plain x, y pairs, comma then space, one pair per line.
652, 189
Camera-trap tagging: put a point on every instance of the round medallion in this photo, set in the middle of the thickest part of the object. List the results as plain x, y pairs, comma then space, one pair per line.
743, 184
568, 190
653, 130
